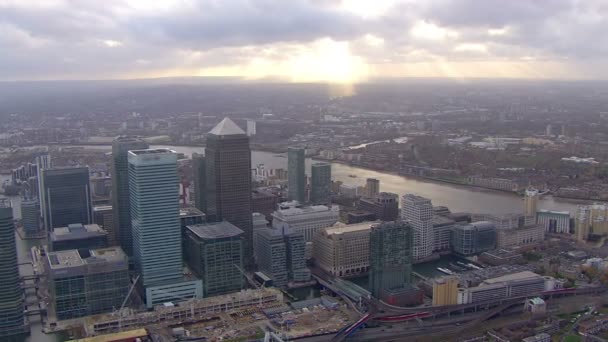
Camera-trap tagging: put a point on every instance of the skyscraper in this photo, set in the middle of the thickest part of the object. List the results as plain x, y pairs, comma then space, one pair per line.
11, 298
43, 161
320, 183
153, 186
372, 187
531, 203
418, 211
199, 173
582, 223
296, 174
390, 259
30, 217
66, 197
228, 179
120, 189
157, 236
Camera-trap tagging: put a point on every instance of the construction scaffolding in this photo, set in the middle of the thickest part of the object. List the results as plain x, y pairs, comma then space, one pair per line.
187, 312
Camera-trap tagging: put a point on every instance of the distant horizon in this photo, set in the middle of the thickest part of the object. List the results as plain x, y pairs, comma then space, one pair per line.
283, 80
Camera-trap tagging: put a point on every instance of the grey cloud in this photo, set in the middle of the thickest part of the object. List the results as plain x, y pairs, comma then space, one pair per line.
67, 41
237, 23
492, 13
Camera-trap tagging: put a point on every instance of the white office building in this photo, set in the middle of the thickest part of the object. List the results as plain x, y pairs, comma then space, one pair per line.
513, 285
554, 221
418, 211
305, 219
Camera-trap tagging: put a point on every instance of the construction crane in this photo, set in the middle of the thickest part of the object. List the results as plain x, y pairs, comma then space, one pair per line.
124, 302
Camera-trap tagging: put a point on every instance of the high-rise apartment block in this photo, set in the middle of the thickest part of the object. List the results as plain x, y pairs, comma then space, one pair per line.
591, 220
66, 197
296, 173
445, 291
418, 212
320, 183
121, 205
582, 223
390, 259
228, 179
306, 220
385, 206
531, 197
215, 253
12, 324
372, 187
157, 235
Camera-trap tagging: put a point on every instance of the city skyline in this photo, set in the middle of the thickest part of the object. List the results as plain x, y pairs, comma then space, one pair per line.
345, 41
311, 170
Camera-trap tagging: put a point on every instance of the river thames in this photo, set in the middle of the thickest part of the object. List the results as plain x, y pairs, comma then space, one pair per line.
457, 198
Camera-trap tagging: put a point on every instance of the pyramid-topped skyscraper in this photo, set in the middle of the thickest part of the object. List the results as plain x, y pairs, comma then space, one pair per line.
228, 179
227, 127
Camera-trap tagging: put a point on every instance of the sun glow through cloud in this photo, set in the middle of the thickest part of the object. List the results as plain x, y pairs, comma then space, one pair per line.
341, 41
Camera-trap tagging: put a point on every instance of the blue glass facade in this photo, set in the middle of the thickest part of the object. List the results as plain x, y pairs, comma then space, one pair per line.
11, 298
154, 202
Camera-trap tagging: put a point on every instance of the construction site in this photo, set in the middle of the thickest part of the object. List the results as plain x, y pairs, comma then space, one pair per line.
249, 313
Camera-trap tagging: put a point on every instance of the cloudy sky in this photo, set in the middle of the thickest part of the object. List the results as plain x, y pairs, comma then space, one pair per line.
303, 40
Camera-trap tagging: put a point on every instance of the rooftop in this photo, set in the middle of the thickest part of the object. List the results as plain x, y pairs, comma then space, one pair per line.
442, 221
543, 211
151, 151
226, 127
190, 211
351, 228
65, 259
415, 198
215, 230
77, 231
128, 138
512, 277
73, 257
293, 211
